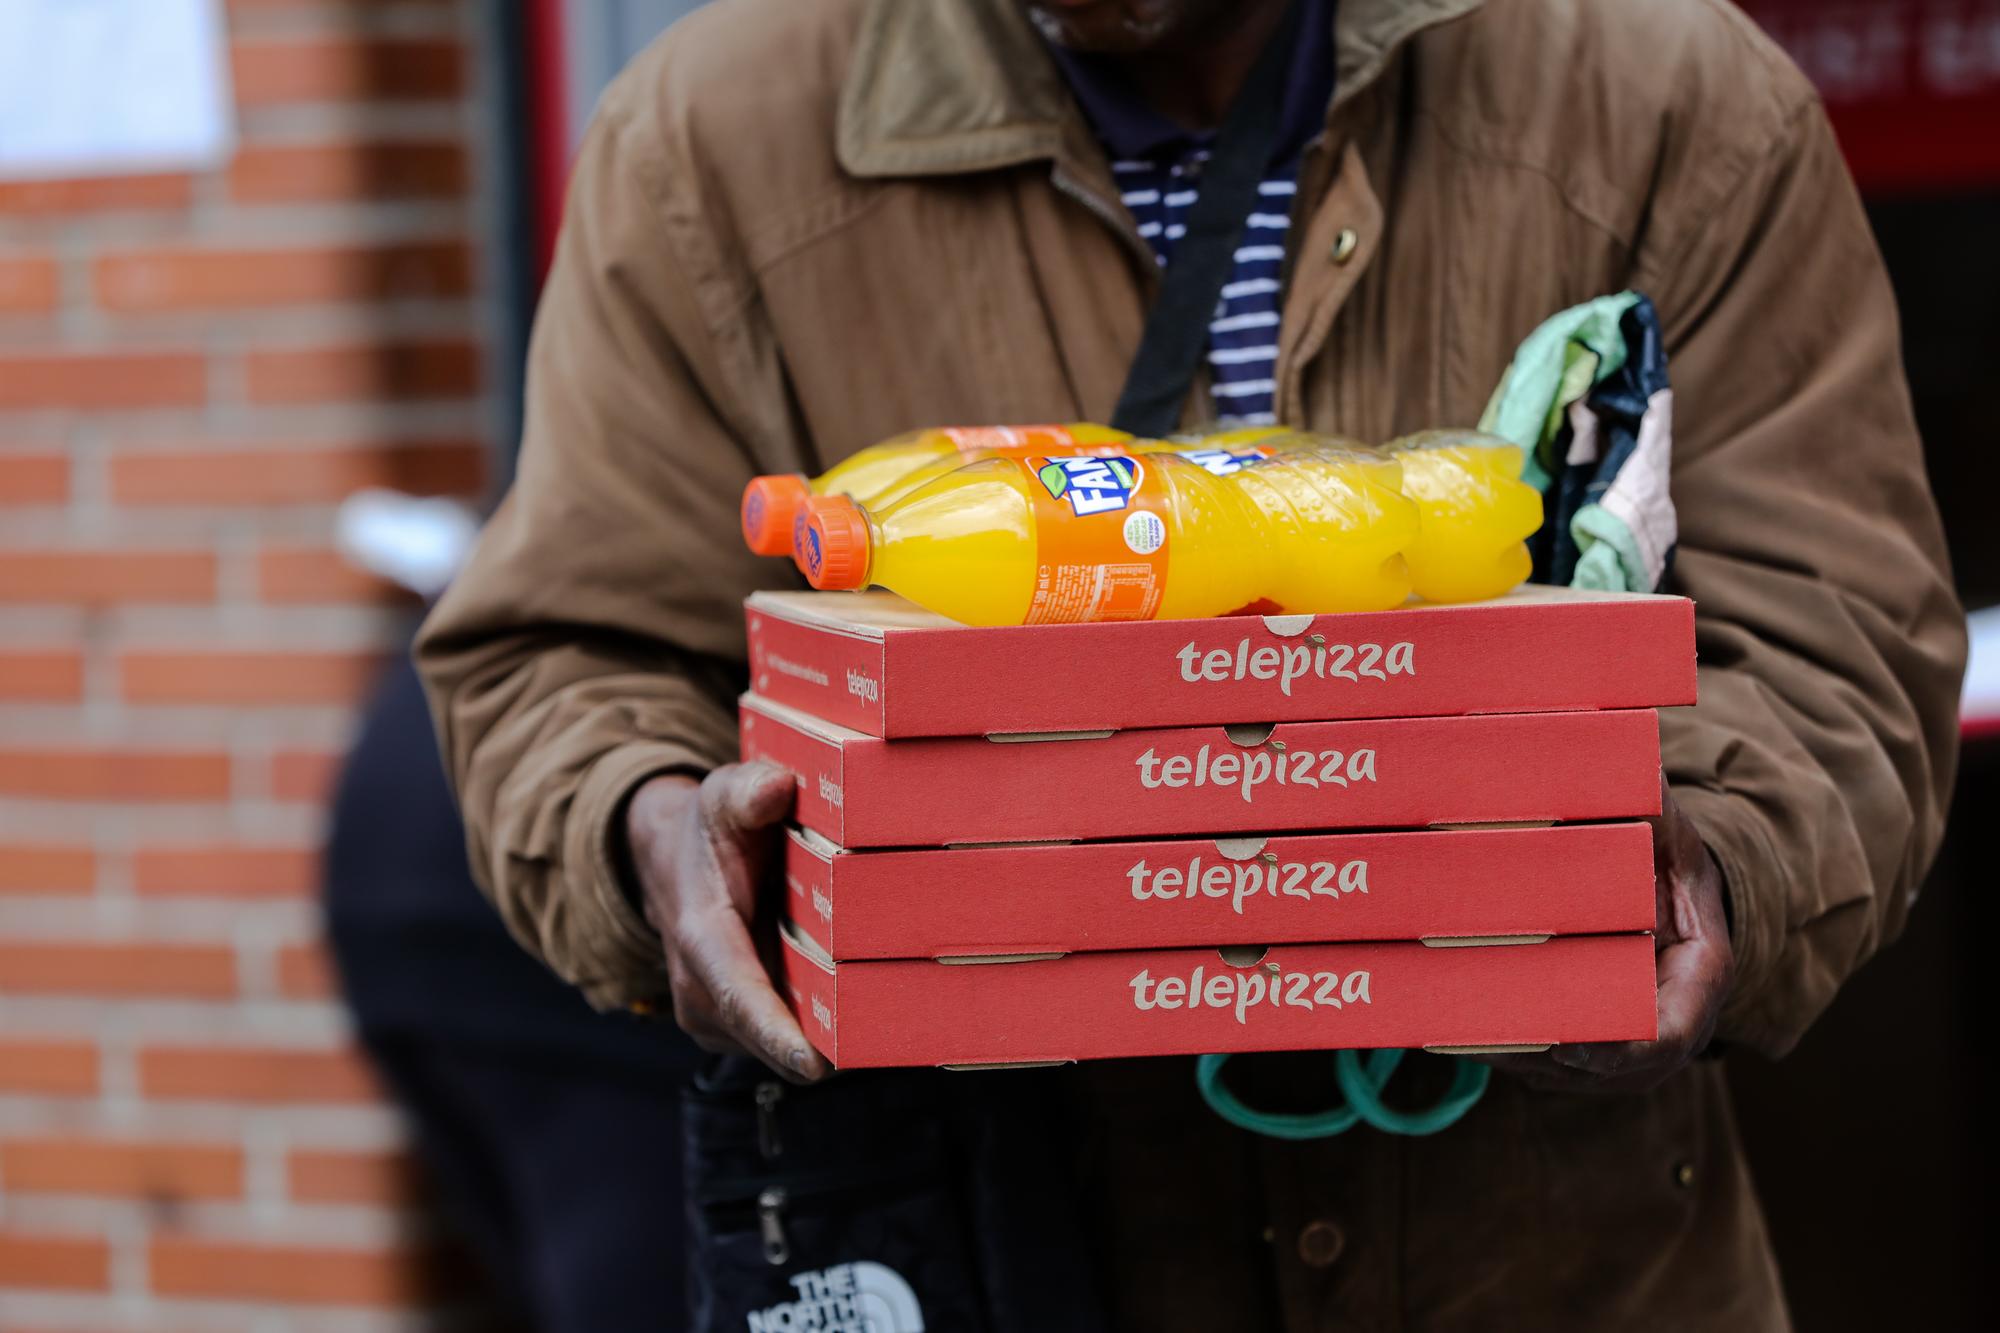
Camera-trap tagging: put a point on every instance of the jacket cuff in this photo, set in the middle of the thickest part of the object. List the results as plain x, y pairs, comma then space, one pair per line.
1754, 880
631, 973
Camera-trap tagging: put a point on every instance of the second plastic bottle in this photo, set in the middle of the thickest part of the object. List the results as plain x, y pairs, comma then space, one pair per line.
1043, 540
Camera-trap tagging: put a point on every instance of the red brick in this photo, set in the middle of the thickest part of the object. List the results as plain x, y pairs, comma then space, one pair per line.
51, 676
105, 578
54, 1263
33, 479
305, 972
113, 774
29, 285
389, 1279
263, 1074
121, 1169
95, 194
244, 679
102, 381
207, 279
264, 476
185, 971
295, 575
348, 169
352, 1177
40, 868
365, 372
339, 69
49, 1068
304, 775
226, 872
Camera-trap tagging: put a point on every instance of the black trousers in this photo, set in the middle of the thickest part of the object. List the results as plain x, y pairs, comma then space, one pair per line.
553, 1133
562, 1175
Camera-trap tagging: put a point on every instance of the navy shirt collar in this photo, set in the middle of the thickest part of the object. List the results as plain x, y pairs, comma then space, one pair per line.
1131, 130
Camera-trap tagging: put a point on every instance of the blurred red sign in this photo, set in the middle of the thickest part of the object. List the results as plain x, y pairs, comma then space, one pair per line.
1913, 86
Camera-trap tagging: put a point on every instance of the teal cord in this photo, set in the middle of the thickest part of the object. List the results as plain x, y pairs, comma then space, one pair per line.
1468, 1085
1280, 1125
1363, 1084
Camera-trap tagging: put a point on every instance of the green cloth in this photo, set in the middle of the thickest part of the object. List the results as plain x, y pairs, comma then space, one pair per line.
1554, 368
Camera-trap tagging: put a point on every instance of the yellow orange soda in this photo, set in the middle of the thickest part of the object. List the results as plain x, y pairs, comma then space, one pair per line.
1476, 513
772, 503
1220, 453
1133, 536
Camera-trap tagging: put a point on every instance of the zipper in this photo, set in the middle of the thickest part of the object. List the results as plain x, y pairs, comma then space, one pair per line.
1067, 184
727, 1190
771, 1225
769, 1145
1311, 182
734, 1203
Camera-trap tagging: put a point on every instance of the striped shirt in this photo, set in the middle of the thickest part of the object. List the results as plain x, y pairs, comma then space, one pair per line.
1243, 332
1157, 166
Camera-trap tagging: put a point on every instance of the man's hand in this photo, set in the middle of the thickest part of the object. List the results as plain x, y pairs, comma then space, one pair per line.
700, 853
1696, 967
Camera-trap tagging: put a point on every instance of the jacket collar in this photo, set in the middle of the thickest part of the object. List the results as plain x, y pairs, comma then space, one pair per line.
945, 87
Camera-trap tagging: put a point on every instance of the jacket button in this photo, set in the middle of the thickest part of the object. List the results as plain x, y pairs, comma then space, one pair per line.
1344, 245
1684, 1175
1320, 1244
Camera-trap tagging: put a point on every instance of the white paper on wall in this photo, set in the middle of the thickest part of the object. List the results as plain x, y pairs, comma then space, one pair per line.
1981, 702
102, 87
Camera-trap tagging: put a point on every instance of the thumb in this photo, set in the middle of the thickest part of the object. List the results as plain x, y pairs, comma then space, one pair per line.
740, 799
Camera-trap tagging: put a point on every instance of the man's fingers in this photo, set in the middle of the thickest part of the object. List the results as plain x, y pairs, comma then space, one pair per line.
748, 1007
1694, 978
1602, 1059
694, 1013
1521, 1064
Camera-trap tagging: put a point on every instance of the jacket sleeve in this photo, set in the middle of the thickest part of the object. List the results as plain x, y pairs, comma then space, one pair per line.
1819, 760
595, 637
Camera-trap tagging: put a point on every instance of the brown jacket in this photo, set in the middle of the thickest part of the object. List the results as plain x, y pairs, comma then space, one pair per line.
798, 228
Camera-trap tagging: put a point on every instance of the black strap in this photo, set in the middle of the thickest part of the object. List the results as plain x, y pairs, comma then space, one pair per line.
1177, 326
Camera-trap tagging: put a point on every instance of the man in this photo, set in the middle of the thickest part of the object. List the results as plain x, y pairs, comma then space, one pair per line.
800, 228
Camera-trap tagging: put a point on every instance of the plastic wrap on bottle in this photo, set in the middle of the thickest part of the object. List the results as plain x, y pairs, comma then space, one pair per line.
1476, 514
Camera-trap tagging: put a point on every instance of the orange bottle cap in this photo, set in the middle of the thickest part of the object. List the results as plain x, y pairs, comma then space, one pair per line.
833, 545
769, 505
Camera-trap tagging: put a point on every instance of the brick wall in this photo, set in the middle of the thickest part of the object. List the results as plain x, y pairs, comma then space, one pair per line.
193, 371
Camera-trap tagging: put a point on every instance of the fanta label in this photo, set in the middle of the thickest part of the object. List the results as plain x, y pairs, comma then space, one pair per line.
1100, 540
1090, 485
1223, 462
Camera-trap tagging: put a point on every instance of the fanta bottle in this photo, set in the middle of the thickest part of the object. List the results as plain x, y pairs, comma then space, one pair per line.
772, 503
1219, 453
1134, 536
1477, 513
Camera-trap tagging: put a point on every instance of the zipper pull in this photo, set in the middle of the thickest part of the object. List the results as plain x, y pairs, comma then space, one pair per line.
771, 1221
768, 1097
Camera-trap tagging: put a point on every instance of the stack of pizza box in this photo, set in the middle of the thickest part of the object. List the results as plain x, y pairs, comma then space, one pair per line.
1424, 827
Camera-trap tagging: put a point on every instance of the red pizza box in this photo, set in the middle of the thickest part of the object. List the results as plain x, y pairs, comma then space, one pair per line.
1097, 1006
861, 791
880, 666
1568, 879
